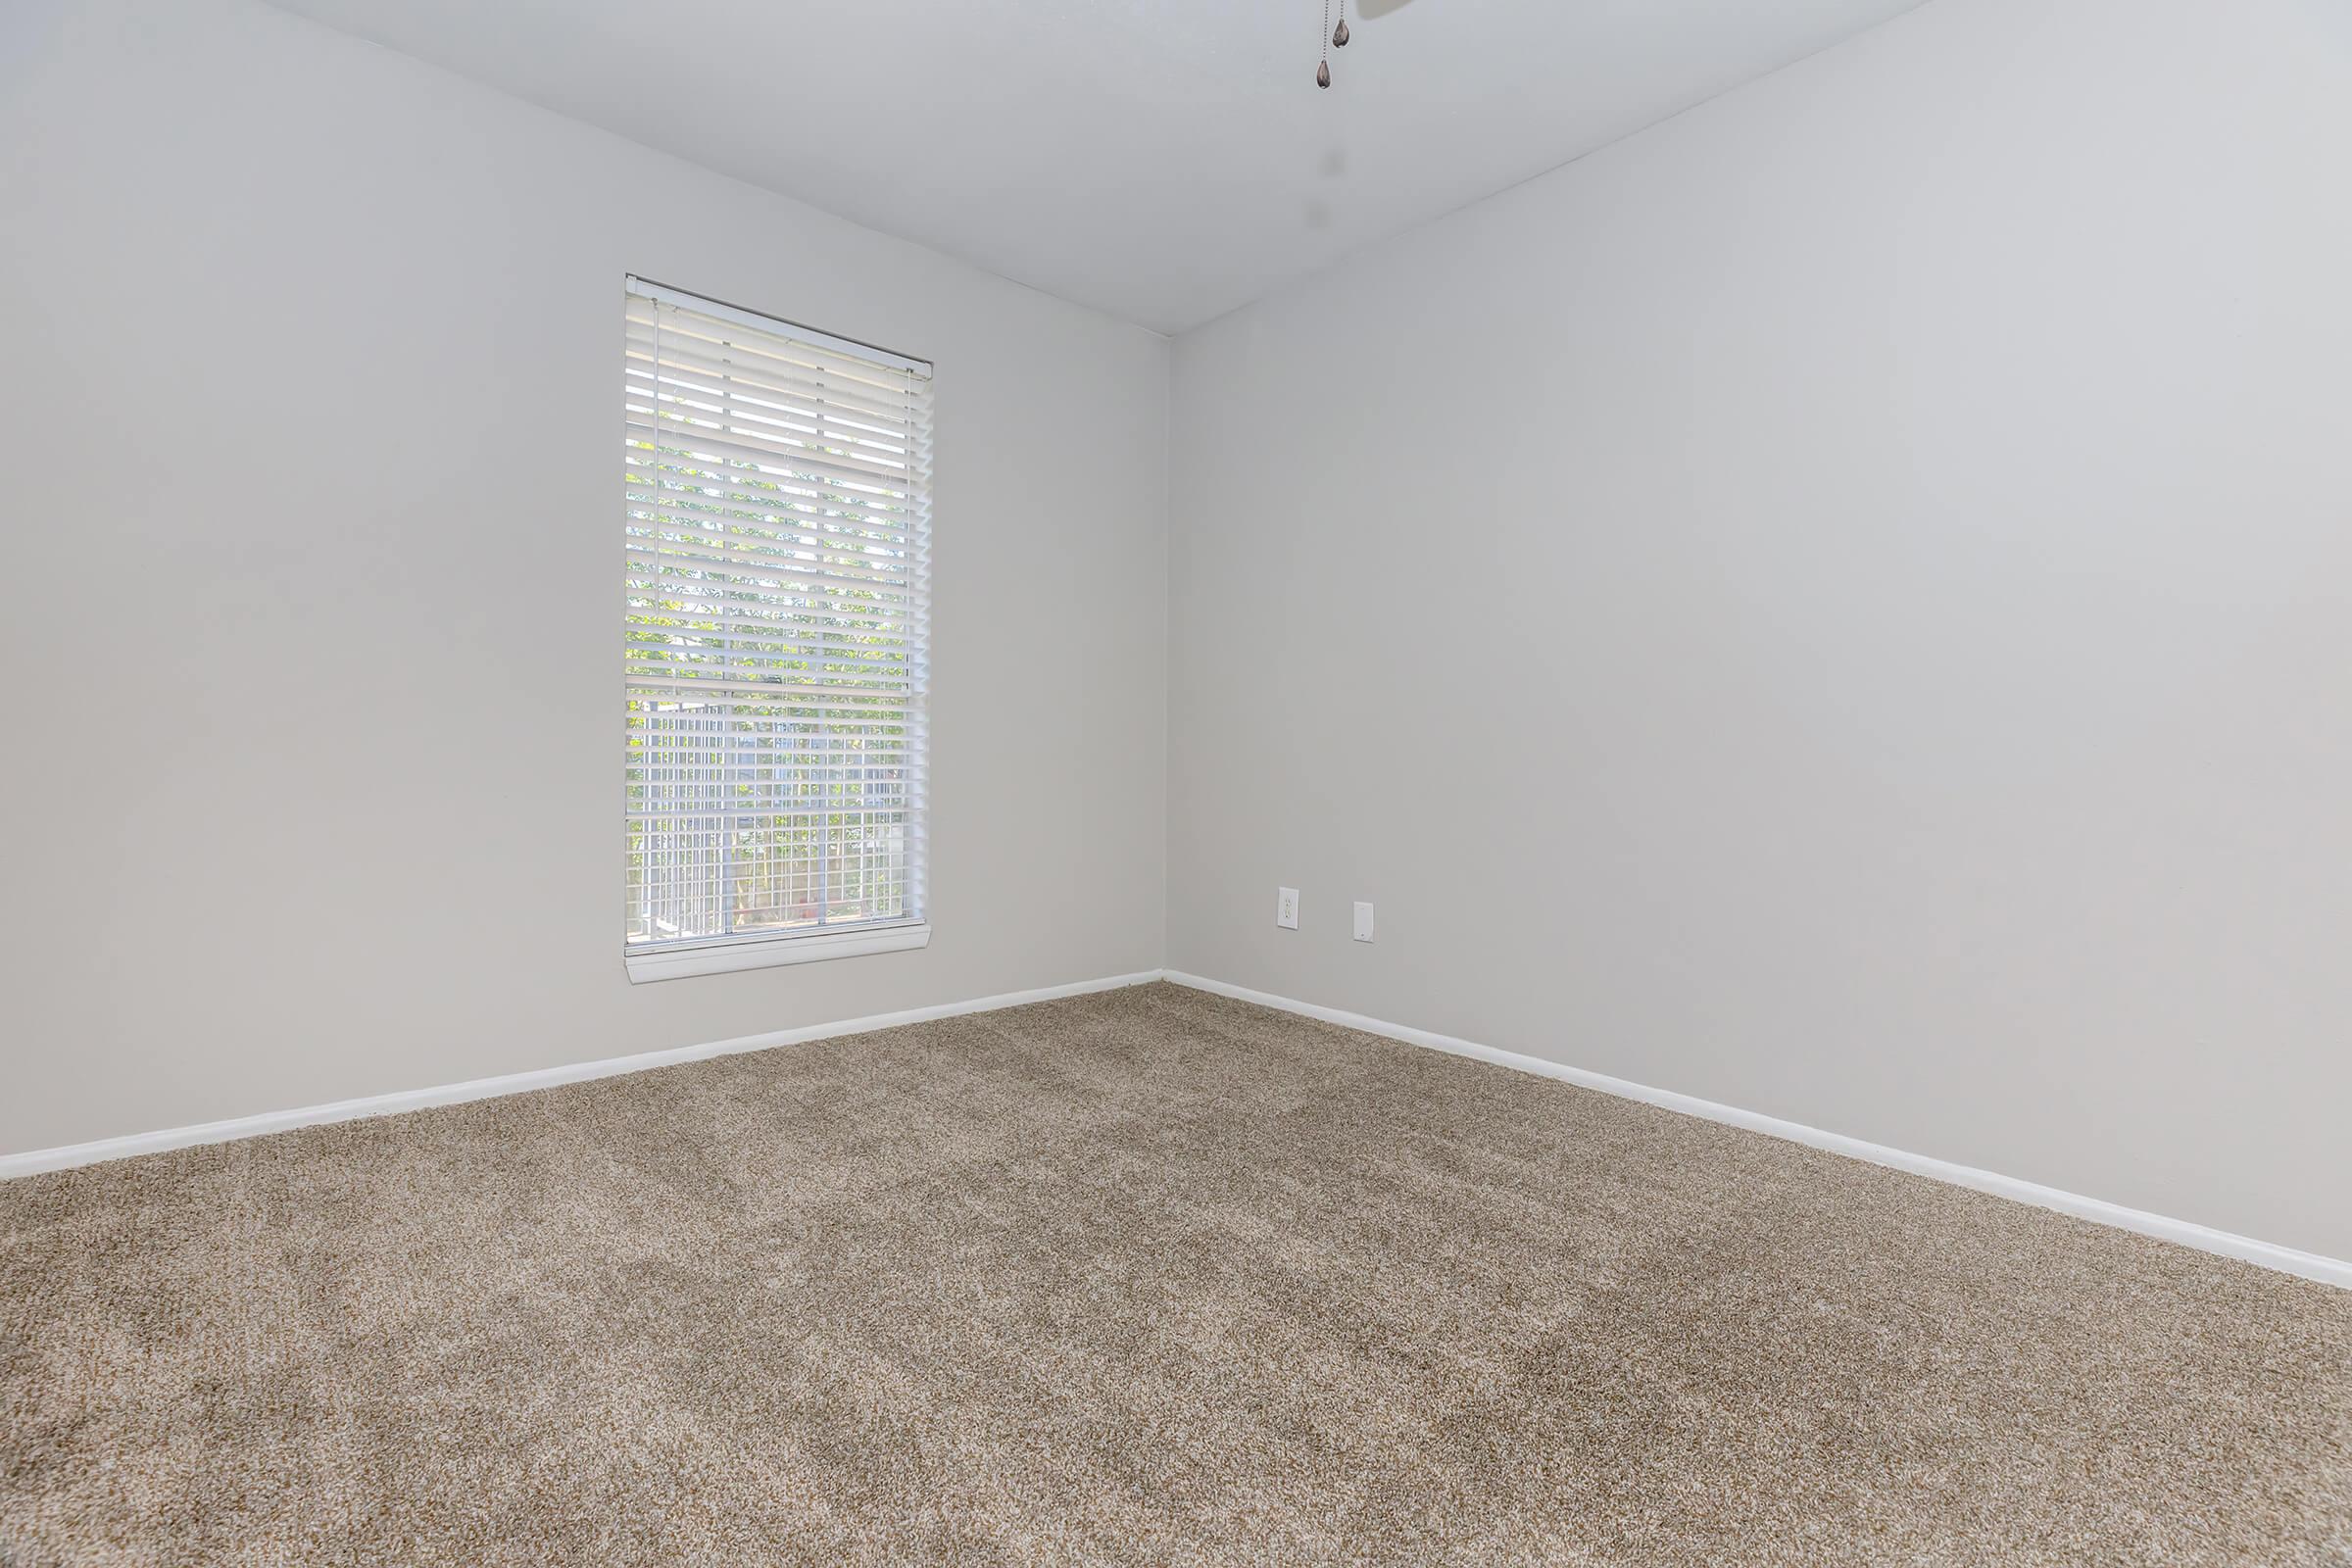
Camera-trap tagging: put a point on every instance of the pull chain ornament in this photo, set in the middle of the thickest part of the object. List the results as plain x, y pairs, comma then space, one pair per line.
1337, 38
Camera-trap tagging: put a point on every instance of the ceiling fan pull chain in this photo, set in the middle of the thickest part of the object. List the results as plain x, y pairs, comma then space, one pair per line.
1323, 65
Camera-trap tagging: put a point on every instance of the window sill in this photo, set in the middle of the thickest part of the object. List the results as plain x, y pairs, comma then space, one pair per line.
763, 953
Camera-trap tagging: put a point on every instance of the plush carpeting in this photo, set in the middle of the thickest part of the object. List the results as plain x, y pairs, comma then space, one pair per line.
1147, 1277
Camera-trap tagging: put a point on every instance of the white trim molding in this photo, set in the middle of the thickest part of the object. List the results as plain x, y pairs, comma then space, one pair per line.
2285, 1260
768, 952
277, 1121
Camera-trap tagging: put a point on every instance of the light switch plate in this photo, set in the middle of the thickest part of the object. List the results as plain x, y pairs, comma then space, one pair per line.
1286, 909
1364, 922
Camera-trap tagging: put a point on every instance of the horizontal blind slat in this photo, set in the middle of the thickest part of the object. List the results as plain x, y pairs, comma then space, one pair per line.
686, 527
779, 354
646, 608
649, 381
750, 565
686, 447
769, 490
891, 526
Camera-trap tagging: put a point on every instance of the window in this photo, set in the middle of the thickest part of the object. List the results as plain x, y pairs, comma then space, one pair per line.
777, 548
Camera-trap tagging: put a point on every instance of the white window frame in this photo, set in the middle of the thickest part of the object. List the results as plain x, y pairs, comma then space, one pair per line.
669, 960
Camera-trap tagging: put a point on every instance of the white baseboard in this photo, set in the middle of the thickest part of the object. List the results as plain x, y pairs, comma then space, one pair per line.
2285, 1260
278, 1121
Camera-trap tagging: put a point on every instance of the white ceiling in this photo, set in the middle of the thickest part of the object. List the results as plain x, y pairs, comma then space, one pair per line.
1162, 160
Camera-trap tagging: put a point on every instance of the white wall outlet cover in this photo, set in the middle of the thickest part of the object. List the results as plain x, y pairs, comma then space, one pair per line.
1364, 922
1286, 909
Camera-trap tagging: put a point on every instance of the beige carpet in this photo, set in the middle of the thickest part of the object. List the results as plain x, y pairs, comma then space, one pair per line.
1150, 1277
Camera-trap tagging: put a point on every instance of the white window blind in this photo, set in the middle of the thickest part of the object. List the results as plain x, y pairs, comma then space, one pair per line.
777, 548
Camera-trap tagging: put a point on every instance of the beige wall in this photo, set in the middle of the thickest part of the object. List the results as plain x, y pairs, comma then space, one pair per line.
1837, 605
312, 410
